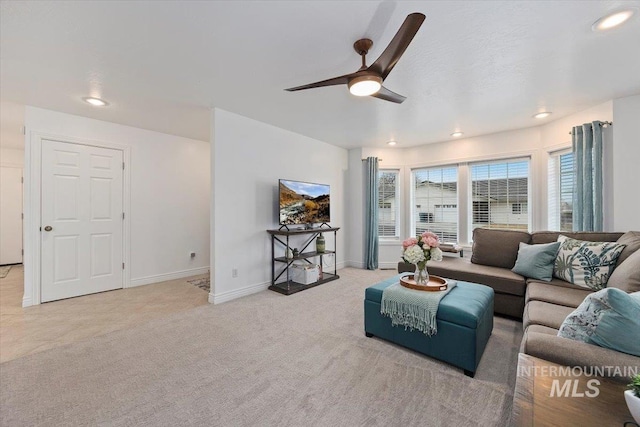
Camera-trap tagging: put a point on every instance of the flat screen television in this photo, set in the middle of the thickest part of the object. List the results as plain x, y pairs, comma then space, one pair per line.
304, 202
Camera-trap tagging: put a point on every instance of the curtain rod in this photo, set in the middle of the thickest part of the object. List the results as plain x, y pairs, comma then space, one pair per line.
603, 124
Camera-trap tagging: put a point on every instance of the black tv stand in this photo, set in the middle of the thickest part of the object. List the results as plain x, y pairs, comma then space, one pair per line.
288, 286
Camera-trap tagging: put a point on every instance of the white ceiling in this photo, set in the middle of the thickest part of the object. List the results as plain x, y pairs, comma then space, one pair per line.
478, 66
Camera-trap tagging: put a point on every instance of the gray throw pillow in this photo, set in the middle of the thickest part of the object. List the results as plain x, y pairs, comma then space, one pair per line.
632, 241
536, 261
626, 276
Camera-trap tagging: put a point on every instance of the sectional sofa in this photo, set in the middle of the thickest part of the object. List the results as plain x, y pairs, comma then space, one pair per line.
543, 306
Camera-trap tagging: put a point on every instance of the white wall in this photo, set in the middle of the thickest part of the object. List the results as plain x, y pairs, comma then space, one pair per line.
249, 157
12, 164
355, 209
169, 213
11, 123
626, 163
11, 157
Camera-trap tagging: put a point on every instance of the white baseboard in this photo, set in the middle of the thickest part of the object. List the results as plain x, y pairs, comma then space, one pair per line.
355, 264
26, 302
360, 264
388, 265
167, 276
238, 293
341, 265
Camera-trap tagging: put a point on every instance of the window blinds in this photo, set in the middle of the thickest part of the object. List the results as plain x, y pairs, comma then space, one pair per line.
500, 194
560, 191
388, 205
435, 202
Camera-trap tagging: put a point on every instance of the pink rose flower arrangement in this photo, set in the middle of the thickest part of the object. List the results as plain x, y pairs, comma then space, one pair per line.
409, 242
424, 248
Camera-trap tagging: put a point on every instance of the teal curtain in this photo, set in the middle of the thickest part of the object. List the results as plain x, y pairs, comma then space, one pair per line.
371, 213
587, 195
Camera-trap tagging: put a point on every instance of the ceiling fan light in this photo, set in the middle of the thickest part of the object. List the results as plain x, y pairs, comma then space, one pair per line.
365, 85
612, 20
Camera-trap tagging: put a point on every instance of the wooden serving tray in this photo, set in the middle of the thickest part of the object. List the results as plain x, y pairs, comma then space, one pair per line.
435, 284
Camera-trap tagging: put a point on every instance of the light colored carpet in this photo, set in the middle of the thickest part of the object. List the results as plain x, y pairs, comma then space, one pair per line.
262, 360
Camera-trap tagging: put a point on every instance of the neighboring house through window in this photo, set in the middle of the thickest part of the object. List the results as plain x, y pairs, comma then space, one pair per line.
388, 204
434, 199
499, 194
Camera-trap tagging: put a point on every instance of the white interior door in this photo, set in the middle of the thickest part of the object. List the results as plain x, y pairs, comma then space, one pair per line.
10, 215
82, 220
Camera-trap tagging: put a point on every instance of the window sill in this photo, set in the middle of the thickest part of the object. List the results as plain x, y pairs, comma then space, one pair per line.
390, 242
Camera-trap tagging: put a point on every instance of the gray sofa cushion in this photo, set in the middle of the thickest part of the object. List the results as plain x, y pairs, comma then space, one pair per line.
543, 345
560, 295
545, 314
543, 330
626, 276
591, 236
500, 279
497, 248
632, 241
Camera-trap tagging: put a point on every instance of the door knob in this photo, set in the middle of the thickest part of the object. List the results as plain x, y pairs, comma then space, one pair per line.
48, 228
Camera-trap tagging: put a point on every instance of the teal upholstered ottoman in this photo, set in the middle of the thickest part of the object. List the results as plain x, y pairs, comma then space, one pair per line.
464, 320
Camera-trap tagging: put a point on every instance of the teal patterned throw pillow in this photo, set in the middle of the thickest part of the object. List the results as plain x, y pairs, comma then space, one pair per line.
586, 264
608, 318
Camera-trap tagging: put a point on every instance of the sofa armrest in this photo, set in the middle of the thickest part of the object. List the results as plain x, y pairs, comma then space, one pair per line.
568, 352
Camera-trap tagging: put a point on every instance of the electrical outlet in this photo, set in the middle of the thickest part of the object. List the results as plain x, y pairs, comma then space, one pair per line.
192, 254
234, 272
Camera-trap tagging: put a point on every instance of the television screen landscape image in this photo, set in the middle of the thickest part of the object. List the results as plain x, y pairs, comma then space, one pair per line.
304, 202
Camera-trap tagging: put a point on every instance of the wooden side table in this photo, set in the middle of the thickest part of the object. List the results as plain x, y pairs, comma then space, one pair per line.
540, 399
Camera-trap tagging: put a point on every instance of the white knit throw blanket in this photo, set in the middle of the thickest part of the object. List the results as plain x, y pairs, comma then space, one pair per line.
411, 308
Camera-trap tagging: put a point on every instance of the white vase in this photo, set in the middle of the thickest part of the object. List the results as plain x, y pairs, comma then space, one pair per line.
633, 403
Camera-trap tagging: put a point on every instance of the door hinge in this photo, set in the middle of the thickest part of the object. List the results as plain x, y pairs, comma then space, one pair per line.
122, 165
122, 215
23, 130
22, 216
22, 179
22, 251
123, 265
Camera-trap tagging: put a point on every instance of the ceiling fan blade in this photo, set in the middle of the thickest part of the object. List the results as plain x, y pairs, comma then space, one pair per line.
342, 80
385, 63
388, 95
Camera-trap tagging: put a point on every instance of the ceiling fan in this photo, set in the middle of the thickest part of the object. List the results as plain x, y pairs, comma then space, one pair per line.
367, 81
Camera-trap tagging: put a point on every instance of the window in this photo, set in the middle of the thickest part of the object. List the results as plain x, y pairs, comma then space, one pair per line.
435, 202
560, 181
500, 194
516, 208
388, 206
480, 212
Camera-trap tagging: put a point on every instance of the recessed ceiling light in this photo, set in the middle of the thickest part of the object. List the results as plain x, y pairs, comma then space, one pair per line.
391, 143
542, 115
457, 134
96, 102
612, 20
